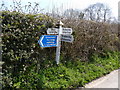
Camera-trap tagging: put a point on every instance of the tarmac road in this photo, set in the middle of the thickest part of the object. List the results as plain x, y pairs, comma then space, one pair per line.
109, 81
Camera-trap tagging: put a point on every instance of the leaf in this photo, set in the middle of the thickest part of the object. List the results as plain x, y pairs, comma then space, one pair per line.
17, 85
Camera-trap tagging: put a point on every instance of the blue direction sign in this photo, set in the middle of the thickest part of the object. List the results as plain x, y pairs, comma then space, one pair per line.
48, 41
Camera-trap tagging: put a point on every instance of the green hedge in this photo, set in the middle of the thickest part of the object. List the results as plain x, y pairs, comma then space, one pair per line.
21, 51
28, 66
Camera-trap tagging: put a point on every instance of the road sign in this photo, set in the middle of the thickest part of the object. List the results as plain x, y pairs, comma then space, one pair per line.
63, 34
67, 38
48, 41
67, 31
52, 31
56, 30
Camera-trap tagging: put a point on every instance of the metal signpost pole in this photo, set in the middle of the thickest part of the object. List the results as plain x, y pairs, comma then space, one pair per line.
59, 43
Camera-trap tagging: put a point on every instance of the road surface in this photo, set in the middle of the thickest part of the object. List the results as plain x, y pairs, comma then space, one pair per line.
109, 81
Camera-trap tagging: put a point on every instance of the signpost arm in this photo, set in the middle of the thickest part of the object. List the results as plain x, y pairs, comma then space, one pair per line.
59, 43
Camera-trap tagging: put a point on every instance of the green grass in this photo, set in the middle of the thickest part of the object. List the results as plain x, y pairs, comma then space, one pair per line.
73, 74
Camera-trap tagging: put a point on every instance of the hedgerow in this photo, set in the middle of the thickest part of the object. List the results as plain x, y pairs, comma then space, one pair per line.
90, 37
28, 66
21, 51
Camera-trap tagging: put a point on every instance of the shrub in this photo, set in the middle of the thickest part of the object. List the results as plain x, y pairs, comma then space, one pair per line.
20, 34
89, 38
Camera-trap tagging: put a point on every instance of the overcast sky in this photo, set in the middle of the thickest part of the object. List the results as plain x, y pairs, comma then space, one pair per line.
65, 4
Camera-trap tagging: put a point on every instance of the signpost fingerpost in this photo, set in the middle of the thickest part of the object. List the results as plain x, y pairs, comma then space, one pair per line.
58, 34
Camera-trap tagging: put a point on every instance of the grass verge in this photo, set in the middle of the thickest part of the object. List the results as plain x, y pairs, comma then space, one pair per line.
76, 74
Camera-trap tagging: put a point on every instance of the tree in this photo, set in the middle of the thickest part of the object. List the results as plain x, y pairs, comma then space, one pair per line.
98, 12
73, 14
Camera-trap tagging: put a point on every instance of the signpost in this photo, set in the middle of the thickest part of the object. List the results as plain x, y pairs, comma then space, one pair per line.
52, 31
63, 34
59, 43
67, 31
56, 31
48, 41
67, 38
